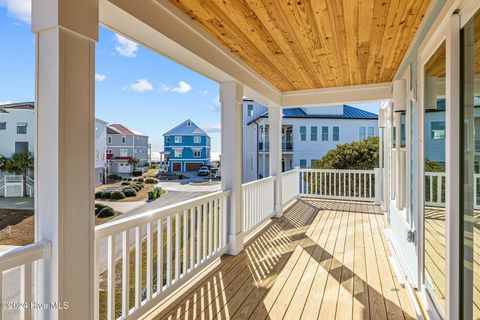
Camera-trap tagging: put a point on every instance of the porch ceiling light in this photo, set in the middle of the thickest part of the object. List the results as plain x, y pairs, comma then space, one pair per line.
399, 88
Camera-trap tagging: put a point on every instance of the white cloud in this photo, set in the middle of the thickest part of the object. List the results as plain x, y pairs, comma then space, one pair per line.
216, 104
182, 87
100, 77
142, 85
19, 9
212, 128
5, 102
203, 92
125, 47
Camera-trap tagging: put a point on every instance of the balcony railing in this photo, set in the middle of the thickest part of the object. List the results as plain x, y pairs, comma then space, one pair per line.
265, 146
180, 240
22, 258
435, 189
140, 259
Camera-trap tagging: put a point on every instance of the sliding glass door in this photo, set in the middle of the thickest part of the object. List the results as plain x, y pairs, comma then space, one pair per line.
471, 167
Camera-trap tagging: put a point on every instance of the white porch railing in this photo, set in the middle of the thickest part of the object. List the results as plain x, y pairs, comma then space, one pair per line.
12, 186
30, 184
340, 184
2, 187
23, 258
179, 240
435, 189
290, 185
258, 202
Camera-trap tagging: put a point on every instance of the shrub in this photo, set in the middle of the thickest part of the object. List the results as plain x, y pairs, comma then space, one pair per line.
117, 195
114, 176
106, 212
99, 207
106, 194
136, 187
98, 194
151, 180
140, 180
137, 172
125, 183
129, 192
355, 155
129, 179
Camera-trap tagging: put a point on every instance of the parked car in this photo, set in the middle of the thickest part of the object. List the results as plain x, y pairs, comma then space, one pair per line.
204, 170
215, 173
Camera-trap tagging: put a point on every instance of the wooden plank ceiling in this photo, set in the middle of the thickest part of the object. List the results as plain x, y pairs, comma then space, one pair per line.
316, 43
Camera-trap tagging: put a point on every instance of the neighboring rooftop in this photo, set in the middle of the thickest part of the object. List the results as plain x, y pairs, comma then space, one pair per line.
116, 128
20, 105
349, 112
186, 128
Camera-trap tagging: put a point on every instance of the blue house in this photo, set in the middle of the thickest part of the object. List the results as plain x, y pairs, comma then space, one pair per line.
187, 147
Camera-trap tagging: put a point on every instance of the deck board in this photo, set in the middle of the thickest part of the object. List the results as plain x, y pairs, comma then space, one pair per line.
321, 260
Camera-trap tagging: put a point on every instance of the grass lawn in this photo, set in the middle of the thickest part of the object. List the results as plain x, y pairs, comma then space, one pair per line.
16, 227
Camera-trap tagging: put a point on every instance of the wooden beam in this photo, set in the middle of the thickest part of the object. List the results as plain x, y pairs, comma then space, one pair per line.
338, 95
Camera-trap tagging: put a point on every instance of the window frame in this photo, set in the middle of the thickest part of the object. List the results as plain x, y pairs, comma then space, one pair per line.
325, 134
303, 135
336, 135
312, 136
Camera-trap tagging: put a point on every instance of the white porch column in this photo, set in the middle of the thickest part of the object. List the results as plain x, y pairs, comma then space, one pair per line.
275, 159
231, 98
66, 32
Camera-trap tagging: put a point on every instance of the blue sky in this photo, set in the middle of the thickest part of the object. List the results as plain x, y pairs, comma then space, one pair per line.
134, 86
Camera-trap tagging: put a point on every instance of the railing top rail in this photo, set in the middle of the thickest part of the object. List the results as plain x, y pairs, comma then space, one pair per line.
123, 224
286, 173
258, 182
338, 170
435, 173
26, 254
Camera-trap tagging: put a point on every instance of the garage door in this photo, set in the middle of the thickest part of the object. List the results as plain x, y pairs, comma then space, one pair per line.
177, 166
194, 166
123, 168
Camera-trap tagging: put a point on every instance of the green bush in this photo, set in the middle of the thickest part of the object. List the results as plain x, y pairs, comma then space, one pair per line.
136, 187
118, 195
140, 180
99, 207
114, 176
125, 183
106, 194
357, 155
129, 192
106, 212
137, 172
151, 180
98, 194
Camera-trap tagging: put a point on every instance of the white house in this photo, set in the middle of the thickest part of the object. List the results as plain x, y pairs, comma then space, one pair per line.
100, 151
307, 135
17, 128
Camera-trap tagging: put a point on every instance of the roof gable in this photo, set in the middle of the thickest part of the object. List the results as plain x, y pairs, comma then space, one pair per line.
184, 129
116, 128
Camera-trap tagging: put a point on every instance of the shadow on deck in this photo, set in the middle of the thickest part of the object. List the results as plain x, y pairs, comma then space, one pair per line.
322, 259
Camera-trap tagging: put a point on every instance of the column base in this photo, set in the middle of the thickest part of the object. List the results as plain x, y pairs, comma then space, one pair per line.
235, 244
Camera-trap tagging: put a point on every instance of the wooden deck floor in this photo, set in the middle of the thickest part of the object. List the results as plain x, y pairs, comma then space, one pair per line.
321, 260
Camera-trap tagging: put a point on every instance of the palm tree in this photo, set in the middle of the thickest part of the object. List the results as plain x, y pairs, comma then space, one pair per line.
19, 163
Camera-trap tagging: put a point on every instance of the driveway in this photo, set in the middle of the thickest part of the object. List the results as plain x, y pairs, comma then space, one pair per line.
20, 203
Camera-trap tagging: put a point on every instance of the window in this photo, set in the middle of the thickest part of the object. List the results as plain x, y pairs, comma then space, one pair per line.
197, 153
178, 139
189, 123
197, 139
250, 110
313, 133
21, 128
324, 133
109, 140
312, 163
336, 134
362, 134
123, 152
303, 133
109, 150
371, 131
178, 153
303, 163
3, 126
167, 139
124, 139
437, 130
